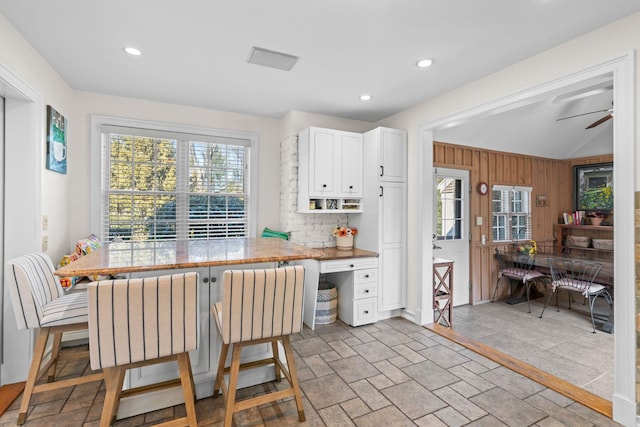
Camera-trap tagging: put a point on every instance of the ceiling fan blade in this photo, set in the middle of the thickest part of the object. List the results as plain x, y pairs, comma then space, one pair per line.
599, 122
583, 114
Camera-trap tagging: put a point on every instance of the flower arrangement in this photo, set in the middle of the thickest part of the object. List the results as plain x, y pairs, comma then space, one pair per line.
344, 231
596, 214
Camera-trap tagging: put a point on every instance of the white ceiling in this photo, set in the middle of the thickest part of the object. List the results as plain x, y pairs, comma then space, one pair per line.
195, 51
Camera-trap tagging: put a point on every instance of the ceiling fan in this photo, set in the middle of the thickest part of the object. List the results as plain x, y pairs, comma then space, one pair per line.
597, 122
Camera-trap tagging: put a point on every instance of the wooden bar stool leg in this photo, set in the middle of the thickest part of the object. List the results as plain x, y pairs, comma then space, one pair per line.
220, 374
113, 379
288, 351
55, 352
233, 383
36, 362
276, 356
188, 391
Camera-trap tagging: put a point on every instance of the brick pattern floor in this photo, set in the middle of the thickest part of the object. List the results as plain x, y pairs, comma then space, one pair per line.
392, 373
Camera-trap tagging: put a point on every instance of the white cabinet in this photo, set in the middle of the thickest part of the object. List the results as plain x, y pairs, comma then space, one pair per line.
382, 226
329, 171
392, 153
357, 296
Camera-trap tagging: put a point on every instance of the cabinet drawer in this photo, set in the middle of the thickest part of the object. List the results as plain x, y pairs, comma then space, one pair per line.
348, 264
365, 276
364, 311
365, 290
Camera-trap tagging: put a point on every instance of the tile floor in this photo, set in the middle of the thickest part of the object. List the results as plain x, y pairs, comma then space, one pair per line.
561, 343
392, 373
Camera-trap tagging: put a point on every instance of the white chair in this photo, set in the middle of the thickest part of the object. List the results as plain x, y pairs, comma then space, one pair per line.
39, 302
577, 277
139, 322
259, 306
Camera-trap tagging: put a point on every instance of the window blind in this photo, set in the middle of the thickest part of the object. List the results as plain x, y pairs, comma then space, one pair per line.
159, 184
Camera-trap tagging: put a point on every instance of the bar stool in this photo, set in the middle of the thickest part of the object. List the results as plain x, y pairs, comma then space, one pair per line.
140, 322
39, 302
259, 306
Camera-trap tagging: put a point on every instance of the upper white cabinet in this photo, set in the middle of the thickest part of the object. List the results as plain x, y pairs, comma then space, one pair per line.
382, 226
329, 171
392, 154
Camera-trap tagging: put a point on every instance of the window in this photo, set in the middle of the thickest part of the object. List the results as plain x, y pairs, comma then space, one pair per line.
165, 182
511, 213
449, 206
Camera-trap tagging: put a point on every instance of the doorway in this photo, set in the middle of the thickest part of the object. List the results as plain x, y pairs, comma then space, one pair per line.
451, 226
622, 70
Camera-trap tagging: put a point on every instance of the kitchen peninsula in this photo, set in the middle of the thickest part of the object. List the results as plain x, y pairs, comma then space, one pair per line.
209, 258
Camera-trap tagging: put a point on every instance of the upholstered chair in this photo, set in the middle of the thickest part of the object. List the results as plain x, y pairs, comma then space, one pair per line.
259, 306
40, 303
139, 322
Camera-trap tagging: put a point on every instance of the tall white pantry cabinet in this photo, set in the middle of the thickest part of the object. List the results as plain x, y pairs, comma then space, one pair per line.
382, 225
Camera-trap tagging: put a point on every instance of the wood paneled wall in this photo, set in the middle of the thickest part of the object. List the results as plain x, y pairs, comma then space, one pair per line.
549, 177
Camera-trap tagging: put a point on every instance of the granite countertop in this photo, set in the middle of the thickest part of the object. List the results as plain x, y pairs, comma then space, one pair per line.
130, 257
330, 254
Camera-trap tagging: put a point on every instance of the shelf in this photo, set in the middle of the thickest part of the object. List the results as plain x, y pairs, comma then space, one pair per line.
586, 249
333, 205
587, 227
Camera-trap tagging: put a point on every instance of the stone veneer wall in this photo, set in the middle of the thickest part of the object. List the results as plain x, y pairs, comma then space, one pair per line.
637, 274
313, 230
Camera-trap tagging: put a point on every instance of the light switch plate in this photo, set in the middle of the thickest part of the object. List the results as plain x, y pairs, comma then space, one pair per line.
45, 222
478, 220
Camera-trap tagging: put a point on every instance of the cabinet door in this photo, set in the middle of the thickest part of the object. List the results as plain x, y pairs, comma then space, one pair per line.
200, 357
392, 232
392, 287
323, 156
393, 155
392, 214
351, 165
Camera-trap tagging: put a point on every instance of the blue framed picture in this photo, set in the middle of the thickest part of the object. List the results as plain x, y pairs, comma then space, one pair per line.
56, 141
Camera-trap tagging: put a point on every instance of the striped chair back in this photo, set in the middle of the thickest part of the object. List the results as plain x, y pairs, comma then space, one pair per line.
32, 285
260, 303
132, 320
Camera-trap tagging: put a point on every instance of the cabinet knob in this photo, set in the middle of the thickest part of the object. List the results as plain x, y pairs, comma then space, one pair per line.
351, 265
366, 291
324, 185
351, 187
205, 280
366, 312
366, 276
213, 280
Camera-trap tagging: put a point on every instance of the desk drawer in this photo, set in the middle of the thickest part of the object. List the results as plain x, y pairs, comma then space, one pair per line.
369, 275
364, 311
348, 264
365, 290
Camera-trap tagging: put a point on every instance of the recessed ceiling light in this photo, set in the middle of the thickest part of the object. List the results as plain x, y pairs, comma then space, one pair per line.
365, 97
133, 51
424, 63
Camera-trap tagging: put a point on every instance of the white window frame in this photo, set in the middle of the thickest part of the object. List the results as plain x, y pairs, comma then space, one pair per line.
99, 123
509, 214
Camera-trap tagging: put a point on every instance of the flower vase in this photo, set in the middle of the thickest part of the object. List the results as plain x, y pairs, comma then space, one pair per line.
344, 243
596, 221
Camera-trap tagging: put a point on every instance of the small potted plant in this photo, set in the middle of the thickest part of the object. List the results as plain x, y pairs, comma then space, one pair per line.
344, 237
596, 217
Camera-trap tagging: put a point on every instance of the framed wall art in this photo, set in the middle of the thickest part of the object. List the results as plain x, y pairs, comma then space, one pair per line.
56, 141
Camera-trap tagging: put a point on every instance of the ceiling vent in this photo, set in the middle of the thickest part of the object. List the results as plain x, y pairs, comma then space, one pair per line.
270, 58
